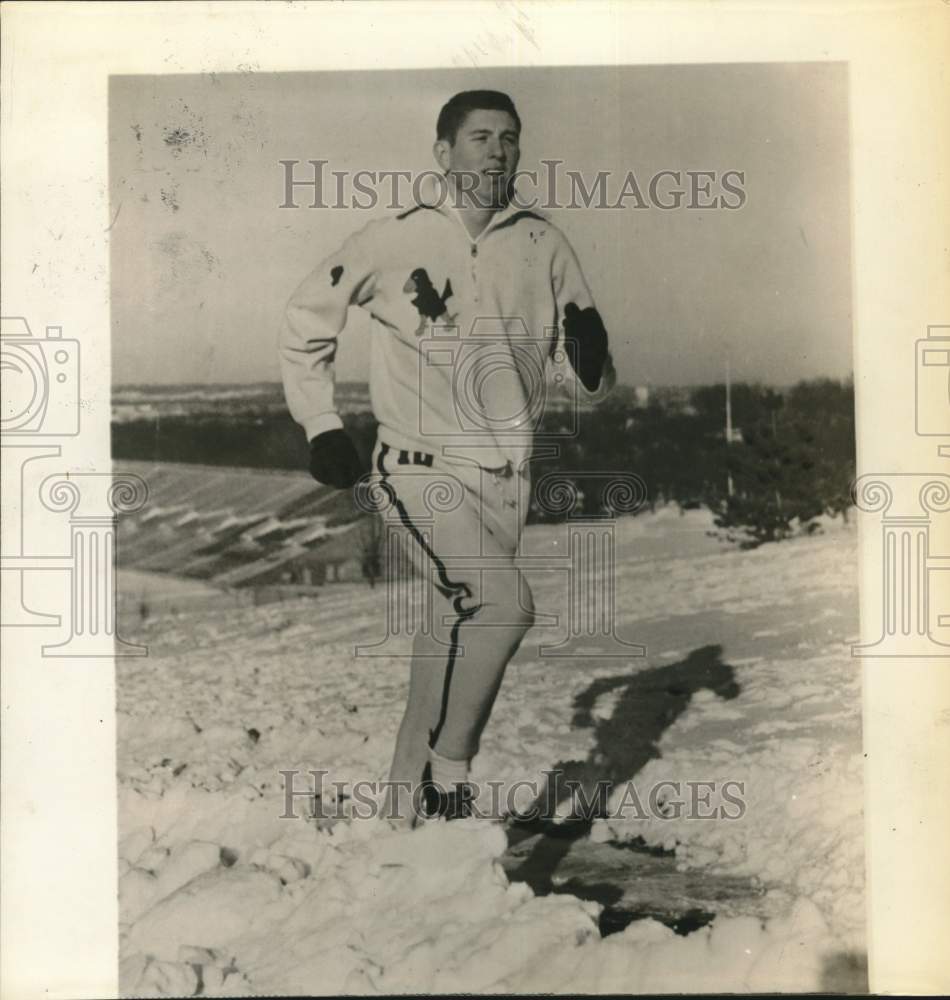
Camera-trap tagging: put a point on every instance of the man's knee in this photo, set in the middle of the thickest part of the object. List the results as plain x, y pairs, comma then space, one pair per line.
502, 596
525, 603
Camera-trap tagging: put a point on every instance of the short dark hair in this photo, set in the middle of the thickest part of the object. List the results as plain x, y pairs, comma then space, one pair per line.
457, 109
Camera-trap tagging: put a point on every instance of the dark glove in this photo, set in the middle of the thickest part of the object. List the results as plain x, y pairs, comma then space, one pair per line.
334, 460
584, 329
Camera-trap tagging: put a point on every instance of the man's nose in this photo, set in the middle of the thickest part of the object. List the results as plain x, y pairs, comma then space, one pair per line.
494, 149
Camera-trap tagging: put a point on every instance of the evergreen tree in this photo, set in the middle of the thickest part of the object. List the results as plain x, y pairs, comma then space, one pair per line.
792, 465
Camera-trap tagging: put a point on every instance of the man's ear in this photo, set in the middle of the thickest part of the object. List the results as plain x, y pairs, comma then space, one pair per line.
442, 153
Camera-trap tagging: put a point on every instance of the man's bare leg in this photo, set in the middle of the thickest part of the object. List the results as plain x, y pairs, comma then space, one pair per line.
423, 706
489, 639
451, 695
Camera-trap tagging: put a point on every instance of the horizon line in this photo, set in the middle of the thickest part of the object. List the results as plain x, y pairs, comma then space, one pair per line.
849, 377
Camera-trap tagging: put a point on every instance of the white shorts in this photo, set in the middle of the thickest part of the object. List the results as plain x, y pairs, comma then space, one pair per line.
463, 523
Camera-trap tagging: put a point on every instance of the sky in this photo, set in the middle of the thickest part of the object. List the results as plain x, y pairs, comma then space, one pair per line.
204, 258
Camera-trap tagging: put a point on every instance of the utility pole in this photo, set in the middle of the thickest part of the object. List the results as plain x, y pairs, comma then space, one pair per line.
729, 486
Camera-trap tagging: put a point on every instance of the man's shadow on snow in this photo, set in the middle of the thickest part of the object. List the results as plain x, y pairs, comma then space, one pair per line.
648, 701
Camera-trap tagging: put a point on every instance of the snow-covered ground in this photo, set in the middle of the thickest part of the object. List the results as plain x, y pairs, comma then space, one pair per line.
748, 678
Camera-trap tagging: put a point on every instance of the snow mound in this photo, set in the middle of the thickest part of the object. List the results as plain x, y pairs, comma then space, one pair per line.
221, 896
386, 911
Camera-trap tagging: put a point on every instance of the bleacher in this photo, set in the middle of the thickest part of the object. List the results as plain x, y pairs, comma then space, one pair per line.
234, 527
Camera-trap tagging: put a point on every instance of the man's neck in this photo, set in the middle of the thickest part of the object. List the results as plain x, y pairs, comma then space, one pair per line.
476, 219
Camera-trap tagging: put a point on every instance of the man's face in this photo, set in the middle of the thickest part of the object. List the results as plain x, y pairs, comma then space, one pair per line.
487, 147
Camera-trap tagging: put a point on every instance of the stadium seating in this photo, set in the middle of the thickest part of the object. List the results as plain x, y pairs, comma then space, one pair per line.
235, 527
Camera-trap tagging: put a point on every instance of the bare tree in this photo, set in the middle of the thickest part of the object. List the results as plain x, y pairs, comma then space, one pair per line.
369, 539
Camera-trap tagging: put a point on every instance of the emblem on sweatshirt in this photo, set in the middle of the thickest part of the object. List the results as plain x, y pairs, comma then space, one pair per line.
430, 304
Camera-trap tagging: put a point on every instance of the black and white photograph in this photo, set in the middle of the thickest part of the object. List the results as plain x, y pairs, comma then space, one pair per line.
496, 573
479, 552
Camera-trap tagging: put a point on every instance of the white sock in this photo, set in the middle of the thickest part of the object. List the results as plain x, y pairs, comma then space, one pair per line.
448, 773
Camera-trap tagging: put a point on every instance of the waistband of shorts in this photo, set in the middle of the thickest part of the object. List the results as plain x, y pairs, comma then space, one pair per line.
435, 453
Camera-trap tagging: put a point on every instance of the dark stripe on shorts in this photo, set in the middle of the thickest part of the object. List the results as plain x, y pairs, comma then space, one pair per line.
461, 590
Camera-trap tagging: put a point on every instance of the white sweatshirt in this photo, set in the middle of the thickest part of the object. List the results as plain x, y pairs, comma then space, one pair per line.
467, 334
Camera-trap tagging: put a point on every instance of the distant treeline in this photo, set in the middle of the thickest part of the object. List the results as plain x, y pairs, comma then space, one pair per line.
242, 439
791, 457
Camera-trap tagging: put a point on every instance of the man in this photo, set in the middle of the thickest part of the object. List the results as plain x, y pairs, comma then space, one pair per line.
472, 297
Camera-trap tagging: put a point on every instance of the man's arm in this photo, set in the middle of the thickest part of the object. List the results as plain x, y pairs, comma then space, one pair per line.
314, 319
581, 332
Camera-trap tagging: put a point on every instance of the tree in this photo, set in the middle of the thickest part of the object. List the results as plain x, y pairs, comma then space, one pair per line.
369, 539
793, 464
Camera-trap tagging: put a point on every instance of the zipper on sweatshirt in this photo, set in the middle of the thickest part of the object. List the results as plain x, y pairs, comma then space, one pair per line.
473, 248
473, 253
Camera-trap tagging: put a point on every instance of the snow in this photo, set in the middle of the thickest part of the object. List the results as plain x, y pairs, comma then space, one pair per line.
748, 678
